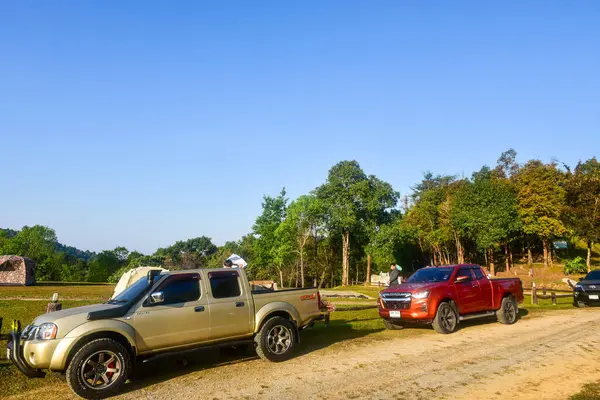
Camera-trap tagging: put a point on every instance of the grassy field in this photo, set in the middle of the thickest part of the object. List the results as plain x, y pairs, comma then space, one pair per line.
591, 391
66, 291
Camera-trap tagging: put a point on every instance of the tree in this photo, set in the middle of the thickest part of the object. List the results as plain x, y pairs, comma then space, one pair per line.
296, 229
583, 200
354, 202
541, 202
266, 246
103, 266
485, 210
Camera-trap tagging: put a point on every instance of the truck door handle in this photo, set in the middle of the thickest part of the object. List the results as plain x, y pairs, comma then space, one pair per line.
239, 304
199, 309
475, 286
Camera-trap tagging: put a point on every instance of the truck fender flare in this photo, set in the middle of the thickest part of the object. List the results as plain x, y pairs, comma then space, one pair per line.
278, 308
84, 333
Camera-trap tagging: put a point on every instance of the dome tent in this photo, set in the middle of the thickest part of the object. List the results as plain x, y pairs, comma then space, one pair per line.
16, 270
131, 276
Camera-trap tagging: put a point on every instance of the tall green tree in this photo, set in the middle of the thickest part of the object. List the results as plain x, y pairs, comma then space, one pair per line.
354, 203
268, 249
541, 202
583, 203
485, 209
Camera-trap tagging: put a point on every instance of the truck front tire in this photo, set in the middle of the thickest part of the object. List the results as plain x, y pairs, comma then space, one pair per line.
445, 319
508, 312
98, 369
276, 340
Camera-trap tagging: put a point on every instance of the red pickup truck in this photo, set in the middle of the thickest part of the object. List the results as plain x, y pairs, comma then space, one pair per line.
444, 295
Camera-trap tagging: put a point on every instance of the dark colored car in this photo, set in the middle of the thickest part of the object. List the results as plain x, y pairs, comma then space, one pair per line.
587, 291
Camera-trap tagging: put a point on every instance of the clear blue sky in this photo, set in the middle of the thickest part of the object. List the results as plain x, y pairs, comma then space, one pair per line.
141, 123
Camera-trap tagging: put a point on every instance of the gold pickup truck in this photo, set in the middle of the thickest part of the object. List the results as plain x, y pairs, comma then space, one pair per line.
98, 345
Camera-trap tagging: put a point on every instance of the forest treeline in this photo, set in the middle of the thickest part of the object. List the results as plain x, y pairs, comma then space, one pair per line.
355, 224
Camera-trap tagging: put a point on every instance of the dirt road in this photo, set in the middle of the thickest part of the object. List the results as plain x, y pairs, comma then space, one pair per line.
545, 357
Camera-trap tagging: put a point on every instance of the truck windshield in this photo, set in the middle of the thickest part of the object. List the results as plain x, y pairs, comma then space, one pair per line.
593, 276
431, 275
132, 292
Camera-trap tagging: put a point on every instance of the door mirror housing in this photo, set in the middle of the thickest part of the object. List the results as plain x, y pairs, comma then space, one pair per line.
156, 298
461, 279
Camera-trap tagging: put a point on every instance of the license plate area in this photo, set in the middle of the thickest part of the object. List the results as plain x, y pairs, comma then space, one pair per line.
395, 314
593, 297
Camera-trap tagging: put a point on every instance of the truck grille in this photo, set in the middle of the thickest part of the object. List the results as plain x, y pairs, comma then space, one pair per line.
396, 301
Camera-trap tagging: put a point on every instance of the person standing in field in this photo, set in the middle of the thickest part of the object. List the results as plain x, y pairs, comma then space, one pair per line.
394, 275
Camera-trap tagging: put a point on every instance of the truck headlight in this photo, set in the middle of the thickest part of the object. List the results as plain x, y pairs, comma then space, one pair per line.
420, 295
46, 331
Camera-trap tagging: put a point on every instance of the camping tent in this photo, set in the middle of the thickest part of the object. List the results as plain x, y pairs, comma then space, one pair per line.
15, 270
131, 276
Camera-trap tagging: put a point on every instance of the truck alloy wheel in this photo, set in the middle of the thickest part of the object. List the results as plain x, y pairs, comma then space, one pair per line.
445, 320
276, 339
99, 368
508, 312
279, 339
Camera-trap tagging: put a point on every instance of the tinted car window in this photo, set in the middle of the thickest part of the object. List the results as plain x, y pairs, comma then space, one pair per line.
478, 273
181, 289
224, 284
465, 272
431, 275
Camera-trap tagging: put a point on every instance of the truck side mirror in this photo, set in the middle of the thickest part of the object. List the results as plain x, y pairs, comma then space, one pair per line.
461, 279
156, 298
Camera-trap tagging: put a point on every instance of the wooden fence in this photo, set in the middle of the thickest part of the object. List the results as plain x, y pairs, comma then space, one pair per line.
535, 294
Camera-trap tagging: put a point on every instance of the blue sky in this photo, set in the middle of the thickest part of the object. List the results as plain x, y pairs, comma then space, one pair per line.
141, 123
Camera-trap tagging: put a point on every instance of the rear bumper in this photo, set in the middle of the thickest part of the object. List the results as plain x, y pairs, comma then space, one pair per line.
15, 355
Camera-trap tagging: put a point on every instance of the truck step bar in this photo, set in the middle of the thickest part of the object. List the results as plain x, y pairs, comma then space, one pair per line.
477, 315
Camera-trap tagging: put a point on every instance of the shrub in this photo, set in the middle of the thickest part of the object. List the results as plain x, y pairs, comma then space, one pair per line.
575, 266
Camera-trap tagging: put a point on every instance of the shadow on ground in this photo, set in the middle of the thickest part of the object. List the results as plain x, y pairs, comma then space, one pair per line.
167, 367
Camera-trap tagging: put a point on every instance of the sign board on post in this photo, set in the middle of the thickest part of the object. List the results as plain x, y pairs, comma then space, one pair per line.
560, 245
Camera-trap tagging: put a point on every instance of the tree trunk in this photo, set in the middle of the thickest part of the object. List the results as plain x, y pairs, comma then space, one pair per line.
368, 277
345, 258
588, 262
281, 277
545, 243
485, 255
529, 256
492, 266
356, 274
510, 255
506, 257
302, 268
459, 250
296, 273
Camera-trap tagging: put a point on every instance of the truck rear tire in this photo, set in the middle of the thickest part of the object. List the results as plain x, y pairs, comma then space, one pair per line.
445, 319
276, 340
392, 326
98, 369
508, 312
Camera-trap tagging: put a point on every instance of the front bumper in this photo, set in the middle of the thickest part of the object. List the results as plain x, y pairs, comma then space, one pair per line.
14, 353
418, 312
580, 296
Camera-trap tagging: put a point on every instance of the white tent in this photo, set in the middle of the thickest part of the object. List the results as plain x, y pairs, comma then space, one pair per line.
237, 261
131, 276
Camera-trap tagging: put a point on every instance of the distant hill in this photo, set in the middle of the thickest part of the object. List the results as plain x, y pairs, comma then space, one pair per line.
84, 255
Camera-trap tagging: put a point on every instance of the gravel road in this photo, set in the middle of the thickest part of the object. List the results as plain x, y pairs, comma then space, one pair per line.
542, 357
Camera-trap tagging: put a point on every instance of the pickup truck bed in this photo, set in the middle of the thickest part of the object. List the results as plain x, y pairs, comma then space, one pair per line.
445, 295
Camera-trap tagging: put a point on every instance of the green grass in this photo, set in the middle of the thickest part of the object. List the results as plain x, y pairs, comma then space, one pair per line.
66, 291
590, 391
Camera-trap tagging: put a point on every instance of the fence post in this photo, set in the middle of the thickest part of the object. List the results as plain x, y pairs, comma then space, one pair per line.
553, 298
534, 295
544, 291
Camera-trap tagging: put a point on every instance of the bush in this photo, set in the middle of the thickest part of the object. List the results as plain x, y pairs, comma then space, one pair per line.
575, 266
